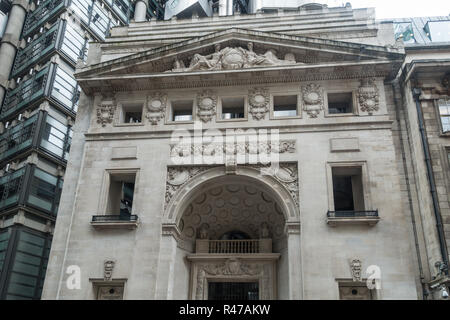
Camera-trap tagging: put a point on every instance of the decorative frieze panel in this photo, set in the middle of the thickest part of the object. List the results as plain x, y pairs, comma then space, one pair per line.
369, 96
156, 107
206, 105
312, 99
215, 149
259, 99
105, 111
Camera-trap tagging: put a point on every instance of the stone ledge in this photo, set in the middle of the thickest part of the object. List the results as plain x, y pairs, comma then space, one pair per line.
370, 221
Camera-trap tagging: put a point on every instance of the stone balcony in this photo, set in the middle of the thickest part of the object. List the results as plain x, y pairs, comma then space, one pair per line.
240, 247
115, 222
335, 218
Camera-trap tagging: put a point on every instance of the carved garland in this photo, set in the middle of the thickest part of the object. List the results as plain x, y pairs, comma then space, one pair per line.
105, 112
156, 107
206, 103
369, 96
312, 99
259, 100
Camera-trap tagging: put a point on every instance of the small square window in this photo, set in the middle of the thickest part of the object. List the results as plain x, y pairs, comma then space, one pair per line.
131, 113
233, 108
182, 110
340, 103
285, 106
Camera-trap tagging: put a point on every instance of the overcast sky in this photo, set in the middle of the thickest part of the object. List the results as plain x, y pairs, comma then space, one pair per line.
386, 9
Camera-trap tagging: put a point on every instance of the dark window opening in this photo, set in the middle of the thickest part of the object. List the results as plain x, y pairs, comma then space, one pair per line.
182, 110
340, 103
285, 106
233, 108
235, 235
233, 291
132, 113
121, 194
348, 192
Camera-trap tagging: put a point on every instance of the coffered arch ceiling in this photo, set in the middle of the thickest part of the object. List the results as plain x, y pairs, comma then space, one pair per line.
235, 206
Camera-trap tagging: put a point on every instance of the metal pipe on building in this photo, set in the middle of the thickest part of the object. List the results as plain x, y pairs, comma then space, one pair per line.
416, 92
230, 7
10, 42
140, 10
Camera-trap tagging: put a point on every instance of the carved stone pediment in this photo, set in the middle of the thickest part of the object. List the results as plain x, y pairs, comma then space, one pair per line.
197, 62
232, 58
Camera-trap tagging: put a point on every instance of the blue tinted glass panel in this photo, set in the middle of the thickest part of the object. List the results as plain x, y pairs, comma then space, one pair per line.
439, 31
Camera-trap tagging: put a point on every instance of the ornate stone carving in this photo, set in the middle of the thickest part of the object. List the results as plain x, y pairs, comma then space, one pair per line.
186, 150
231, 58
235, 268
156, 107
356, 267
312, 99
258, 100
105, 111
206, 103
178, 176
108, 268
368, 96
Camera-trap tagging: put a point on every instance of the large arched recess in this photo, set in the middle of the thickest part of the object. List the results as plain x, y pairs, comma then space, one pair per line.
169, 285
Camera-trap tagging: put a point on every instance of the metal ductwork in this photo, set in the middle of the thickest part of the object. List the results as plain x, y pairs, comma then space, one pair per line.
187, 8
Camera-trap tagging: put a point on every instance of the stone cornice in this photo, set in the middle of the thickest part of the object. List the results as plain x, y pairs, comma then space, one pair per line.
166, 134
255, 76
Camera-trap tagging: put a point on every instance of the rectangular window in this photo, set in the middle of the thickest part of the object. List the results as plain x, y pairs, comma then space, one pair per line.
131, 113
340, 103
28, 269
285, 106
438, 31
182, 110
233, 108
56, 137
44, 191
348, 192
121, 194
444, 113
404, 31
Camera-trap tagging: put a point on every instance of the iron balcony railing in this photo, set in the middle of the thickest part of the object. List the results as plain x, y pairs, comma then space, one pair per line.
353, 214
10, 188
44, 12
35, 50
51, 82
115, 218
18, 138
61, 37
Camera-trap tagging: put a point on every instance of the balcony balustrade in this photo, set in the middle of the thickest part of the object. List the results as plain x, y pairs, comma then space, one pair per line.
248, 246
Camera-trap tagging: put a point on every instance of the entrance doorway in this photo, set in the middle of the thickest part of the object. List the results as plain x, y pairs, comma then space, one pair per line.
233, 291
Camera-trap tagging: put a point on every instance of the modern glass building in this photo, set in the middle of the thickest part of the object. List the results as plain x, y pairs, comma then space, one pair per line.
42, 41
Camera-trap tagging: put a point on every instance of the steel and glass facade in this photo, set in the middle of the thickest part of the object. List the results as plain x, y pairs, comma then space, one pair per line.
36, 116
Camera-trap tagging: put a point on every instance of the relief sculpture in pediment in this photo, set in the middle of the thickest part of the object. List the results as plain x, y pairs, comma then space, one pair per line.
232, 58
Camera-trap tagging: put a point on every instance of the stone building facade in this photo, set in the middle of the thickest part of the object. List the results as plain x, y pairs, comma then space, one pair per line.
262, 154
